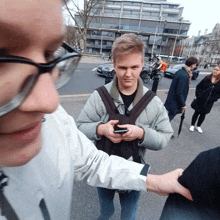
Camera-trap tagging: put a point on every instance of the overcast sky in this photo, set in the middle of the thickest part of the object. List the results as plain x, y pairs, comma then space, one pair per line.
202, 14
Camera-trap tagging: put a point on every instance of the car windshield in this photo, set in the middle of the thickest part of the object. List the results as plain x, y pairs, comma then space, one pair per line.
177, 66
108, 64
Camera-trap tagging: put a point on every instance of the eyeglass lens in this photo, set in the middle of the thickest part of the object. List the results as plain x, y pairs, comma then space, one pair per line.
17, 79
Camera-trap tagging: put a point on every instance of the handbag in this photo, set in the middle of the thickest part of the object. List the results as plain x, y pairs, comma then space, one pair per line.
194, 104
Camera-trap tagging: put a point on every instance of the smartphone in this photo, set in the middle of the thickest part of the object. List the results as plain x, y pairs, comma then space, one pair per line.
121, 131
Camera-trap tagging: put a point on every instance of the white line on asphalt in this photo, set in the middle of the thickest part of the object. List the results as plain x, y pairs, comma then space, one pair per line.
81, 95
204, 73
94, 69
69, 96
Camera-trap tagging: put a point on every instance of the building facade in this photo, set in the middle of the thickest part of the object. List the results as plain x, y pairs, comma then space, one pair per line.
205, 47
159, 23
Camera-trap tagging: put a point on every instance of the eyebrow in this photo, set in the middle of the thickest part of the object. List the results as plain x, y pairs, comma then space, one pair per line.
56, 41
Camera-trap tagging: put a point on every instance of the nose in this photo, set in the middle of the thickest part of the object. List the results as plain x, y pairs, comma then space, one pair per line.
43, 96
128, 72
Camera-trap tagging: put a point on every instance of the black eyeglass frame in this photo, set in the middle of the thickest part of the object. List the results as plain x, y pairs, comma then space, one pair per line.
42, 68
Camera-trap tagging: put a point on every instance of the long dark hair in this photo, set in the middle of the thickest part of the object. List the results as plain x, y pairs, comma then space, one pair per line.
216, 78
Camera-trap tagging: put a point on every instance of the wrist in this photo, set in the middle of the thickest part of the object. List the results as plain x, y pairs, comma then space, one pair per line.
152, 183
100, 130
141, 134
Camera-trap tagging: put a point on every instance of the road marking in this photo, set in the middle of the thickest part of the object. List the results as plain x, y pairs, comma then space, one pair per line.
204, 73
83, 95
94, 69
69, 96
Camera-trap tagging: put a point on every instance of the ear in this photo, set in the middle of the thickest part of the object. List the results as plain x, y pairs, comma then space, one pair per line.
114, 64
142, 62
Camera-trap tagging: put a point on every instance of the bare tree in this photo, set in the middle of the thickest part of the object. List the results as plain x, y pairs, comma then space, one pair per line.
83, 17
71, 36
211, 47
168, 48
215, 43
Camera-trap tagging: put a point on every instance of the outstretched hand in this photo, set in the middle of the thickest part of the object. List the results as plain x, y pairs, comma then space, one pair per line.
167, 183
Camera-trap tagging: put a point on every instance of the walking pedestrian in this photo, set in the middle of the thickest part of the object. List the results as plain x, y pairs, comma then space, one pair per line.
109, 56
207, 92
177, 95
103, 57
155, 69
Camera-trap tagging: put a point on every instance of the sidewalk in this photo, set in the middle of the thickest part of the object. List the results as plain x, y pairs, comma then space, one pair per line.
93, 59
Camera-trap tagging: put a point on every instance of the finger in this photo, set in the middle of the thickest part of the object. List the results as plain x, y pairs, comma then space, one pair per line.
113, 122
116, 140
185, 192
122, 126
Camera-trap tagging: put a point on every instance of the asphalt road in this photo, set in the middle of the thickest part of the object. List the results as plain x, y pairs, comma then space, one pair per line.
85, 80
179, 152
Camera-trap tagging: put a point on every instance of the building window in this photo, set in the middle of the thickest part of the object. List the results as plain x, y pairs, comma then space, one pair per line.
132, 4
171, 31
172, 15
155, 6
165, 6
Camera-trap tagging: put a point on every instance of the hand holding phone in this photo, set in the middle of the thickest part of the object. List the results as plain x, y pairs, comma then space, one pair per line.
119, 130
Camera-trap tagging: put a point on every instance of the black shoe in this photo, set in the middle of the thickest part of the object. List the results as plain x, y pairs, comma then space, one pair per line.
172, 137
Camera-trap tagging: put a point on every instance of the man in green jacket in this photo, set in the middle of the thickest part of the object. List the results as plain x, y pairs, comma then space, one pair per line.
151, 130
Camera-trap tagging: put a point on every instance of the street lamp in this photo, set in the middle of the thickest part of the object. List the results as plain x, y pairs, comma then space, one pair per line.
165, 22
175, 40
152, 52
181, 50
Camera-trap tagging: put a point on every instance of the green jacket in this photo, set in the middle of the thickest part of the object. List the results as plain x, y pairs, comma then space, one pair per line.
154, 119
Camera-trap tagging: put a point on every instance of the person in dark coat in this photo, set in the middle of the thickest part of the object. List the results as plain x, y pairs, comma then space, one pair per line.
202, 178
207, 92
176, 99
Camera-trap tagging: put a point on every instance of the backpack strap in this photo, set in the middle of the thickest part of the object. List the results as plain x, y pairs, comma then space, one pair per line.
141, 105
107, 100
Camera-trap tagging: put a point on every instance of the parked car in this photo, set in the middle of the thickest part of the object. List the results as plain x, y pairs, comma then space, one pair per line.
107, 69
169, 72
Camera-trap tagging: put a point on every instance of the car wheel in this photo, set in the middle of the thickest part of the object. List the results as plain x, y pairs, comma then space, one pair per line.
195, 76
159, 76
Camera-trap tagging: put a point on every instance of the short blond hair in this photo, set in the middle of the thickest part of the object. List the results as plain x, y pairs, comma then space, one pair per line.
127, 44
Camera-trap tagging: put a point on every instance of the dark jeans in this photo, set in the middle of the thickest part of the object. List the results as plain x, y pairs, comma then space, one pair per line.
128, 200
200, 120
178, 207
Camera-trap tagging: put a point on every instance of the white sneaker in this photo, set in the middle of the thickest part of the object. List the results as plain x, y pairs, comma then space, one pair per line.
192, 128
199, 129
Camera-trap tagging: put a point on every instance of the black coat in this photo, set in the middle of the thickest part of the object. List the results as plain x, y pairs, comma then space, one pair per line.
178, 92
206, 94
202, 178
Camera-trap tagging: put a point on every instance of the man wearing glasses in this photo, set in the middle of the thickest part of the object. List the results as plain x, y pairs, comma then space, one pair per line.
41, 150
